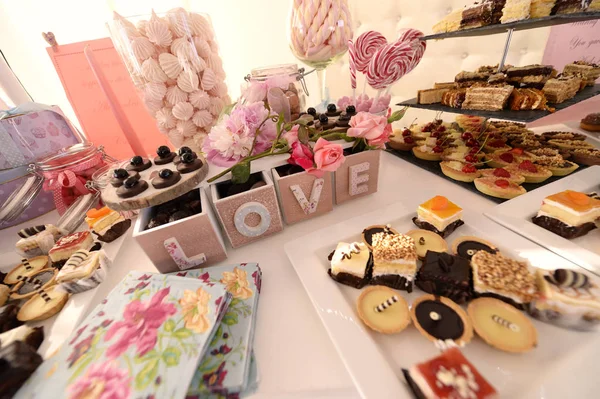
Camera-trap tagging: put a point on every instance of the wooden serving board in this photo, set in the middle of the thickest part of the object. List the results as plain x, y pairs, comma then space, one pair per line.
153, 196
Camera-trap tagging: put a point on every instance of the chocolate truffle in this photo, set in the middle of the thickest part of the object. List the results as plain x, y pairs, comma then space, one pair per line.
189, 163
166, 178
138, 164
165, 155
132, 187
120, 175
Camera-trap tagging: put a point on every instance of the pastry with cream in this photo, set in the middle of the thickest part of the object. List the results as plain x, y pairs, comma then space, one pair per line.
439, 215
568, 299
37, 240
107, 224
499, 276
394, 261
68, 245
350, 264
448, 375
569, 214
83, 271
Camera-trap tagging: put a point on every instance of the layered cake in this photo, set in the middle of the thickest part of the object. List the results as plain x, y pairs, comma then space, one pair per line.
561, 88
515, 10
530, 76
450, 23
445, 275
439, 215
568, 299
448, 376
383, 310
454, 98
440, 319
541, 8
527, 99
431, 96
497, 7
476, 16
502, 326
369, 232
504, 278
350, 264
590, 72
37, 240
68, 245
569, 214
394, 261
467, 79
488, 98
83, 271
107, 224
570, 6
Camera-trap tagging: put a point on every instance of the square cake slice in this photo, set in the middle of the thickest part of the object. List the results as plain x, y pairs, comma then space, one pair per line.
68, 245
562, 88
569, 214
350, 264
439, 215
446, 275
394, 261
487, 98
448, 376
504, 278
431, 96
515, 10
476, 16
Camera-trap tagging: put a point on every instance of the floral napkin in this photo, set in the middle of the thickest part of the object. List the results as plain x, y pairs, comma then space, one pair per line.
226, 368
143, 341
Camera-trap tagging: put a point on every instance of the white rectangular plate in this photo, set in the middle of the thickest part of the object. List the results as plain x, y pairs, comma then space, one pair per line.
561, 366
516, 215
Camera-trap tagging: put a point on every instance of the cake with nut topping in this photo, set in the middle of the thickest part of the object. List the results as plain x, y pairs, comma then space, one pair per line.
394, 261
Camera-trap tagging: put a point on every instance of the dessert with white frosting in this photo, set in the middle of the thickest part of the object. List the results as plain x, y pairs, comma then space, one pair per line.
568, 299
350, 264
37, 240
439, 215
83, 271
68, 245
394, 261
569, 214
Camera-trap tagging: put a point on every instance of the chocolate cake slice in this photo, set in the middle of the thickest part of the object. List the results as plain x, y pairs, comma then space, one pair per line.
445, 275
467, 79
476, 16
497, 6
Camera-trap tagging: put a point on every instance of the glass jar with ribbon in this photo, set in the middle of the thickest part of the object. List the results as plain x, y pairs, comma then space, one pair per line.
67, 174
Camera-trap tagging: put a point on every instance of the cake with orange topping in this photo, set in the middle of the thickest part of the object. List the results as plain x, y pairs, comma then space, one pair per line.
439, 215
569, 214
107, 224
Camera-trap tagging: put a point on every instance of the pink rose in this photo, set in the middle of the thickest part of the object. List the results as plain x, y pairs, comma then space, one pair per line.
373, 128
301, 156
328, 157
291, 136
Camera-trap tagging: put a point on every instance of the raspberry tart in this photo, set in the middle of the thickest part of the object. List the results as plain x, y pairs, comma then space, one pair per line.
502, 173
459, 171
499, 188
428, 153
501, 160
531, 172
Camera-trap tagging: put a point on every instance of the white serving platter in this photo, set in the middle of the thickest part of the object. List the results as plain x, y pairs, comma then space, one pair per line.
561, 366
516, 215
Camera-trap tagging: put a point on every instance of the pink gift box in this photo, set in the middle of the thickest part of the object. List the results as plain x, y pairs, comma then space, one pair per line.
26, 138
188, 243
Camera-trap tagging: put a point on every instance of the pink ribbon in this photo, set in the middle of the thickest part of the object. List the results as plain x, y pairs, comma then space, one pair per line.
74, 178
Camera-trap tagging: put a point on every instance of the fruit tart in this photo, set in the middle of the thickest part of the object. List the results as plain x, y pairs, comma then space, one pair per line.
460, 171
502, 173
587, 156
428, 153
501, 160
496, 145
531, 172
499, 188
402, 140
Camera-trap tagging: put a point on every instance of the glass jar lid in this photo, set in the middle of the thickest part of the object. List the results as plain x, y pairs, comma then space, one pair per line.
68, 156
263, 73
20, 199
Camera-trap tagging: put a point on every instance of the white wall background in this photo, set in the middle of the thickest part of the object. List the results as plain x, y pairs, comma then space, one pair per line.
250, 34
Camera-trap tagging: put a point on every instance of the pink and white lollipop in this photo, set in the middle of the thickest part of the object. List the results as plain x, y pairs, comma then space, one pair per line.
365, 47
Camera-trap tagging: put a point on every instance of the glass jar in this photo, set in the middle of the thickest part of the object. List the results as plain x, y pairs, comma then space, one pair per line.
67, 174
281, 87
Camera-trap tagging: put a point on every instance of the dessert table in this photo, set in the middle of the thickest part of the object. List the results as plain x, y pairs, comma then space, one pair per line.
295, 356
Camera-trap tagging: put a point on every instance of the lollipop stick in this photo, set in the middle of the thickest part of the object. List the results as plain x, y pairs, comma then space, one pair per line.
354, 96
364, 86
378, 95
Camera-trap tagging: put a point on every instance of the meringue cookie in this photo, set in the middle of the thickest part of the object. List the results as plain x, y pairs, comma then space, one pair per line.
152, 71
175, 95
165, 119
183, 111
142, 48
214, 62
193, 63
200, 25
152, 105
186, 128
155, 91
209, 79
187, 81
178, 21
138, 80
199, 99
216, 106
202, 47
202, 118
141, 26
124, 22
175, 137
158, 31
213, 46
163, 130
170, 65
220, 90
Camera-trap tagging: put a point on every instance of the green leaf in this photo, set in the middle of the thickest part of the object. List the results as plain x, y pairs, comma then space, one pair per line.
148, 356
303, 134
397, 115
182, 333
234, 302
240, 173
81, 364
171, 356
227, 110
230, 318
147, 375
169, 325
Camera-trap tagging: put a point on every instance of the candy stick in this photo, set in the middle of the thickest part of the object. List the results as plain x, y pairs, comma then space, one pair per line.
352, 64
384, 305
